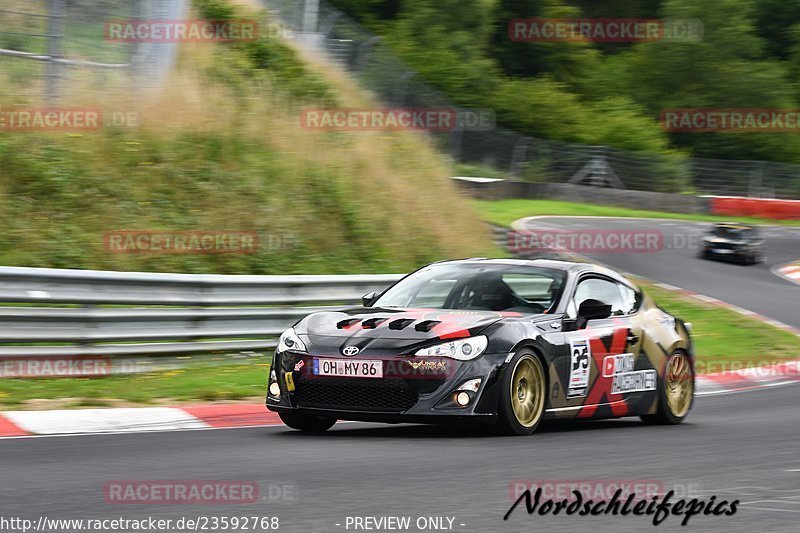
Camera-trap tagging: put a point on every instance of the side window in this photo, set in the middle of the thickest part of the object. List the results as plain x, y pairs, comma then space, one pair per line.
631, 300
603, 290
532, 288
434, 294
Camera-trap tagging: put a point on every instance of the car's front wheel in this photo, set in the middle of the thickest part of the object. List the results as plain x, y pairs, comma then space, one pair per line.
522, 398
307, 423
676, 394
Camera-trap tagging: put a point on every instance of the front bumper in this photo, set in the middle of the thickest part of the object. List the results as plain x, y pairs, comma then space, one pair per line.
411, 398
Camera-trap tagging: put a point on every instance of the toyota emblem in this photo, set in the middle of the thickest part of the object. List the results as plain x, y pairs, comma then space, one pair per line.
350, 351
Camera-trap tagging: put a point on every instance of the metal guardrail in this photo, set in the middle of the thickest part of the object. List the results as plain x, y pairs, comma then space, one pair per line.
192, 314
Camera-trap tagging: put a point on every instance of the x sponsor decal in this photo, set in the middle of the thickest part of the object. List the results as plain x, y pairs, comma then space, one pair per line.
600, 391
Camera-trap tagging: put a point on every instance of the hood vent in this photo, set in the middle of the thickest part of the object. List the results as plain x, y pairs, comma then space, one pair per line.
427, 325
400, 323
372, 323
350, 322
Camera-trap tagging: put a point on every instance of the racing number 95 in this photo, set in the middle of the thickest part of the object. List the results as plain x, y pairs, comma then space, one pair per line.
580, 357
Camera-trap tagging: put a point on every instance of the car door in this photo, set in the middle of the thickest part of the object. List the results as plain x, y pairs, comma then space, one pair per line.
598, 352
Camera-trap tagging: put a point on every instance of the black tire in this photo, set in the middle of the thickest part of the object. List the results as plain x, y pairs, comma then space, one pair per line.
665, 415
508, 422
307, 423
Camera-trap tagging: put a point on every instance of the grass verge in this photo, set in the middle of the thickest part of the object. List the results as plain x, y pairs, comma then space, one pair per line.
722, 335
201, 383
504, 212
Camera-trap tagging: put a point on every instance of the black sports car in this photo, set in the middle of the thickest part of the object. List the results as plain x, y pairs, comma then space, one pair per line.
734, 241
506, 342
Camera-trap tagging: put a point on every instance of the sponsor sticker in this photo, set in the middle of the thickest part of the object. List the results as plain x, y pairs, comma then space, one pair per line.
624, 378
617, 364
639, 381
579, 368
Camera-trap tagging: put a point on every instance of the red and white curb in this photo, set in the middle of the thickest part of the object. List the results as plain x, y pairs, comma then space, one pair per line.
134, 420
199, 417
790, 272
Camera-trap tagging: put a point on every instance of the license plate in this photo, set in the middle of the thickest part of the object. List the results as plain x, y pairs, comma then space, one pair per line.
352, 369
721, 251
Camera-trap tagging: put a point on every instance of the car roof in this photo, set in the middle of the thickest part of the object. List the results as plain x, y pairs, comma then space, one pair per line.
569, 266
733, 225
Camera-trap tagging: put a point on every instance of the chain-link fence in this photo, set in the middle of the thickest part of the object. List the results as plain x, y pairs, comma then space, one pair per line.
397, 85
50, 47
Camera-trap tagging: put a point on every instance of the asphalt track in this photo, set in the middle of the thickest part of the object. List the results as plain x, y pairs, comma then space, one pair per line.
753, 287
738, 446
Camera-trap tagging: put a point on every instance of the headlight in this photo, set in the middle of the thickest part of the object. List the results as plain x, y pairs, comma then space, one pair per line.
290, 341
463, 349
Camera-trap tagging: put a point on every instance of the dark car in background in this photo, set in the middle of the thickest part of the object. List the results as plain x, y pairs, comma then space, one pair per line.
500, 341
732, 241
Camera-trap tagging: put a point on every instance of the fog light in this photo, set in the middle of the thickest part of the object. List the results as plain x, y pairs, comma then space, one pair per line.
462, 399
274, 390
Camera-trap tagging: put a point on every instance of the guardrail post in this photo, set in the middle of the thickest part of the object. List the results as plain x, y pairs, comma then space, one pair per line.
310, 15
55, 36
756, 177
363, 52
401, 89
518, 156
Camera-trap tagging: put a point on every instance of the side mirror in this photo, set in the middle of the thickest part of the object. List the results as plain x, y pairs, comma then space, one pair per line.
368, 298
593, 310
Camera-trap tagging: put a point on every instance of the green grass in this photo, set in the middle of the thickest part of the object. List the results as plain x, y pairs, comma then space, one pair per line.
722, 335
504, 212
202, 383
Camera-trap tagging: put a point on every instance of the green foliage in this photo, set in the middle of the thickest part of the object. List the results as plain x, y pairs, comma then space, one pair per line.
566, 62
263, 56
446, 41
614, 93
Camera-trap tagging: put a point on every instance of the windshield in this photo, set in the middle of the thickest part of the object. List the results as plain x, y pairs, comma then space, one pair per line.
471, 286
729, 232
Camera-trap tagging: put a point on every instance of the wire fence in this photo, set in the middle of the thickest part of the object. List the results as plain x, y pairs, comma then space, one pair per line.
51, 47
398, 85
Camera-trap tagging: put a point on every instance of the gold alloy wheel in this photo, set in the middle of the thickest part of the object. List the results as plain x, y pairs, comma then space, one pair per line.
679, 384
527, 391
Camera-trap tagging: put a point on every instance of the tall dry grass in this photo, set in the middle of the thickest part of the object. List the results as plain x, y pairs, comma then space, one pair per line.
209, 154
